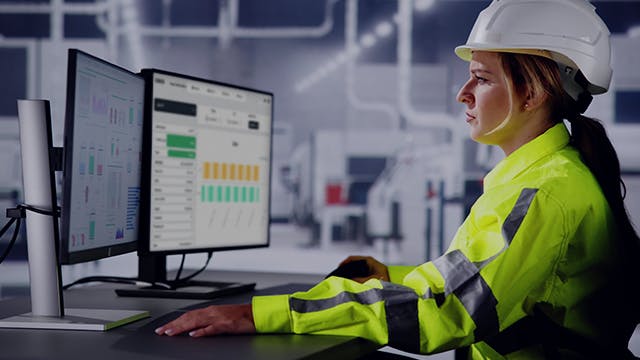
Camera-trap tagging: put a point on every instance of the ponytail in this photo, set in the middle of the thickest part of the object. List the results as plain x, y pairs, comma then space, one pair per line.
589, 137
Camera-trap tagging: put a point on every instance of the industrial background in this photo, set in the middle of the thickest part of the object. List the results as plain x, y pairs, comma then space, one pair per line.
371, 152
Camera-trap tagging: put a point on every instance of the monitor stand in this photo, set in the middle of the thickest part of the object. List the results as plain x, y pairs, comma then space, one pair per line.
75, 319
47, 303
153, 269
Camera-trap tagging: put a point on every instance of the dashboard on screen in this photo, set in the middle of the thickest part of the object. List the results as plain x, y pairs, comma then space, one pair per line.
102, 159
209, 167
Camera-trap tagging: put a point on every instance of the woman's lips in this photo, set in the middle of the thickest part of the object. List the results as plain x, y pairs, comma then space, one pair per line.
470, 117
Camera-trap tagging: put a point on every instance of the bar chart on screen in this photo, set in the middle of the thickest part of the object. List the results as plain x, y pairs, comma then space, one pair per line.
232, 192
231, 185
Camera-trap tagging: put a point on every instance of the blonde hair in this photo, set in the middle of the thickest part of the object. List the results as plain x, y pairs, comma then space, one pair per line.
533, 76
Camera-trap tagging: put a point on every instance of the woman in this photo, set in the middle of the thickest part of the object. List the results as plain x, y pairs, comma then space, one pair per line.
537, 269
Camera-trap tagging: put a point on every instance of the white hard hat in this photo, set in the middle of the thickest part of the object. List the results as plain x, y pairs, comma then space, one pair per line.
567, 31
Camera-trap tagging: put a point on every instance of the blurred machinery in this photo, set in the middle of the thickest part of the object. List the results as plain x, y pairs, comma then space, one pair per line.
403, 192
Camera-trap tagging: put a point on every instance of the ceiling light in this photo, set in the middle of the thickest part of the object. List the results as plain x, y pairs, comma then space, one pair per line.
384, 29
368, 40
423, 5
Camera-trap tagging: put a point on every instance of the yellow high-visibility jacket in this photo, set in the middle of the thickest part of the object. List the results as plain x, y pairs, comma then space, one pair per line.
538, 244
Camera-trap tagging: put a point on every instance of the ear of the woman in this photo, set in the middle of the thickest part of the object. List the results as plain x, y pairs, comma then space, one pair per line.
534, 100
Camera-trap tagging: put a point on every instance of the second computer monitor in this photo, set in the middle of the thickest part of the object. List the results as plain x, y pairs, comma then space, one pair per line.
208, 174
102, 159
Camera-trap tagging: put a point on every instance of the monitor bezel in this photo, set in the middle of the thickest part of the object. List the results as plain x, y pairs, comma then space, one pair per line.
145, 195
73, 257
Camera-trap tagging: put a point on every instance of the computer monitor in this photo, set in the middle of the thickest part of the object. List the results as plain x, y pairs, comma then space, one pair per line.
101, 185
102, 160
206, 176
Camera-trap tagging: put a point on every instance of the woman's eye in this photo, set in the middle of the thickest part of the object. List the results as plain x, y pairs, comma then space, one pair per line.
480, 79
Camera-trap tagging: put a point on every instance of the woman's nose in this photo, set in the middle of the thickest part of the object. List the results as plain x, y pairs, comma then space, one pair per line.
464, 94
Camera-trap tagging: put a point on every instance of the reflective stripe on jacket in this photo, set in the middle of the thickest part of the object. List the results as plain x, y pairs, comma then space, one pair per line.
540, 236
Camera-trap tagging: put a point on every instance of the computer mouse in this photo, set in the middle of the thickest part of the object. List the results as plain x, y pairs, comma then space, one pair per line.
352, 269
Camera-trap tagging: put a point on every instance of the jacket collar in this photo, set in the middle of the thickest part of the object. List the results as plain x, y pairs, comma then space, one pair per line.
552, 140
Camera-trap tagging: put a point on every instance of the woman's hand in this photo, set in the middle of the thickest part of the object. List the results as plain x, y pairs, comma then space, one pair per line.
377, 270
212, 320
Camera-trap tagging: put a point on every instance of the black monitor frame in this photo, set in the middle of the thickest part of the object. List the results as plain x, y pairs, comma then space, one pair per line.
152, 264
67, 257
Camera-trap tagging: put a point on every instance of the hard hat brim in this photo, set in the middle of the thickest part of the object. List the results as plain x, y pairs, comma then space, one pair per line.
465, 52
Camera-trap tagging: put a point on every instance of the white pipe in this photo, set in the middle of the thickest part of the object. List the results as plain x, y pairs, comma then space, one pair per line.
166, 21
67, 8
232, 18
131, 23
112, 21
405, 25
236, 32
57, 21
176, 31
224, 24
351, 25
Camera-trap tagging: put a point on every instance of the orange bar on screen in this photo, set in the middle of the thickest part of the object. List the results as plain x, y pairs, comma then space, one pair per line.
256, 173
216, 170
206, 171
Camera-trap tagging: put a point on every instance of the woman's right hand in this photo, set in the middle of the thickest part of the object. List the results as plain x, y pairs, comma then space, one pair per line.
377, 270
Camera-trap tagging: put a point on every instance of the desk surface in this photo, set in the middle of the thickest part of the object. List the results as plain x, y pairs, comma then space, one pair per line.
137, 340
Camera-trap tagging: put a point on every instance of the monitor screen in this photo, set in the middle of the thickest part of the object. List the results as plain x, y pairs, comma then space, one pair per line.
102, 159
208, 174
